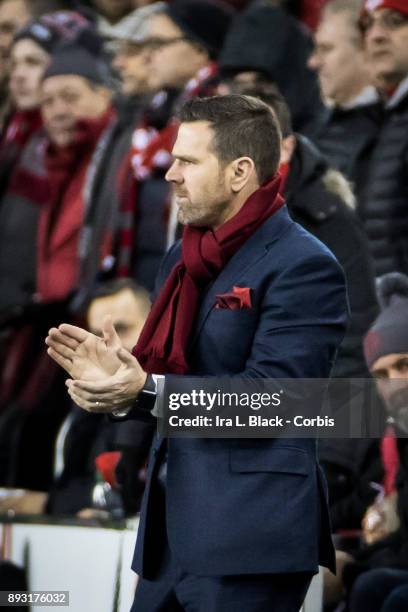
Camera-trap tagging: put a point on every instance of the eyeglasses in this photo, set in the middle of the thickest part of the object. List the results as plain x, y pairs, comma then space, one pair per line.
388, 20
127, 48
158, 43
131, 48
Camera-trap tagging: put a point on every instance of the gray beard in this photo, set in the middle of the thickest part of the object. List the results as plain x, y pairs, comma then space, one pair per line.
400, 419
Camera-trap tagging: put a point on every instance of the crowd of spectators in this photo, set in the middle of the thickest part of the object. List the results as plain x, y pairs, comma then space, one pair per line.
88, 94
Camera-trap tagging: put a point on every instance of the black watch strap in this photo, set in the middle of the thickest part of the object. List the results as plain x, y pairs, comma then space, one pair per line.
148, 395
144, 402
150, 385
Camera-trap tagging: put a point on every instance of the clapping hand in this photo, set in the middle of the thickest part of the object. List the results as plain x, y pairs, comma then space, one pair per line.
103, 375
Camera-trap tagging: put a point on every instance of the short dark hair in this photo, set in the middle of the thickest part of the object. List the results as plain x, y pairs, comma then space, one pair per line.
115, 285
243, 127
267, 91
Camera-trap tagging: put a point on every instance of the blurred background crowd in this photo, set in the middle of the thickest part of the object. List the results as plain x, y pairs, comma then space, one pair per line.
88, 95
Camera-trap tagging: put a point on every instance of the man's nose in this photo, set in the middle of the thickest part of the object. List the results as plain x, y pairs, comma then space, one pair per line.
118, 61
18, 73
313, 62
59, 109
376, 33
17, 77
173, 175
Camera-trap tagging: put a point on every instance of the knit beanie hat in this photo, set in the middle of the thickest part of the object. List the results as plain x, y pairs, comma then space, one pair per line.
389, 332
76, 60
53, 29
204, 21
397, 5
132, 27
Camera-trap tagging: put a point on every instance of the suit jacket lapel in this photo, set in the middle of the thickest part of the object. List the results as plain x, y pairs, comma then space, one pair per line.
246, 257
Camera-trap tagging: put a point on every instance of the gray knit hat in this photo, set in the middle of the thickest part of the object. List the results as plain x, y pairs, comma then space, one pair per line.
389, 332
76, 60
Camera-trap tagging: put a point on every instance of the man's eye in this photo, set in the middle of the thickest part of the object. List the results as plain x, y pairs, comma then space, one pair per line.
394, 19
33, 62
7, 27
380, 374
402, 366
121, 328
70, 97
323, 49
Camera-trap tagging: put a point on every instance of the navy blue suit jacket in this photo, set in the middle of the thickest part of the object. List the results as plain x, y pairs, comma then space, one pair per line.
251, 506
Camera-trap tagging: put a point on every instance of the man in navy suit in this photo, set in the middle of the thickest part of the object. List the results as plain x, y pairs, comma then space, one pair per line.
226, 524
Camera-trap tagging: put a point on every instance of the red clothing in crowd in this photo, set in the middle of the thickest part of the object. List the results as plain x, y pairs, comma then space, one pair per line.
19, 128
61, 219
309, 12
390, 459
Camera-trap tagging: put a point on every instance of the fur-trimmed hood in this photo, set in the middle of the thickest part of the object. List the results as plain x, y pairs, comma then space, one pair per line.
313, 186
336, 183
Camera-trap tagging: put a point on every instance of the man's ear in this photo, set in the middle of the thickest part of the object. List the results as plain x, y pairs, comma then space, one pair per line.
287, 149
103, 99
242, 171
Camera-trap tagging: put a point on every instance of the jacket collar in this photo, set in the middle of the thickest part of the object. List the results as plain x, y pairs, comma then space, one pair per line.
400, 94
366, 97
307, 168
307, 163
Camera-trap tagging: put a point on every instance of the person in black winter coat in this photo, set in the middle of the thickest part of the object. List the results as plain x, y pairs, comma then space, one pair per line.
320, 199
383, 206
352, 117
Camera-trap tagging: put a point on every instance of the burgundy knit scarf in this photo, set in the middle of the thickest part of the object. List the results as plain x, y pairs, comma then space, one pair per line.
163, 343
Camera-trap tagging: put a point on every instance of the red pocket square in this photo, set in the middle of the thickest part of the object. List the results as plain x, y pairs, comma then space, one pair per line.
238, 298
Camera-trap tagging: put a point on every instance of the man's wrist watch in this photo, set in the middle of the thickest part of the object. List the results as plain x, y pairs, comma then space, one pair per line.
145, 399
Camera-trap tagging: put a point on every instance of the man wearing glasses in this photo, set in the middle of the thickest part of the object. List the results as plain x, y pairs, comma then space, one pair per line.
179, 47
